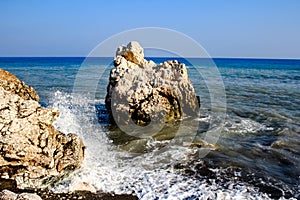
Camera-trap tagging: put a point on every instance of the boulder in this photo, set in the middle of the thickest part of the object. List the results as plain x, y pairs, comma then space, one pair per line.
144, 92
8, 195
32, 152
28, 196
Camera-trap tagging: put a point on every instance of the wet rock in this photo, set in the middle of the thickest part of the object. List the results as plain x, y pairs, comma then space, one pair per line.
48, 195
32, 152
85, 195
143, 92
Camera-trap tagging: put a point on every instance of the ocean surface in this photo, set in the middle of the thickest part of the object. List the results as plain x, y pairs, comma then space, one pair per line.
256, 154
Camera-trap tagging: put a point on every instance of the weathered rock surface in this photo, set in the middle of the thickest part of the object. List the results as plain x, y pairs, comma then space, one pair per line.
32, 151
144, 92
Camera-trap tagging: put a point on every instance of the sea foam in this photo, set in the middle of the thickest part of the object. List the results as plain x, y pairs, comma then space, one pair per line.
149, 176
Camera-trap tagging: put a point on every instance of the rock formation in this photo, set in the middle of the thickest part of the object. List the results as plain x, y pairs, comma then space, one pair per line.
141, 91
32, 151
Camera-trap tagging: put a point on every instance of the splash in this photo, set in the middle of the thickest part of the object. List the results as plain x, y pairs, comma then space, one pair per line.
149, 176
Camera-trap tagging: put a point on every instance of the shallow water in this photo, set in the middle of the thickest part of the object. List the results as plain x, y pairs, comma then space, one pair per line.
257, 155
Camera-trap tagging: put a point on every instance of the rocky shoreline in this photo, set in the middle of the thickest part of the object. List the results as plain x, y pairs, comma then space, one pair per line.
9, 191
33, 154
46, 195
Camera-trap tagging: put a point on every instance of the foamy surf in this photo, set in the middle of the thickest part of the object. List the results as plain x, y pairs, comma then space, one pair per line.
150, 175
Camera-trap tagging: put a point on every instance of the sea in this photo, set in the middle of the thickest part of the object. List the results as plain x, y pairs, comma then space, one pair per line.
254, 153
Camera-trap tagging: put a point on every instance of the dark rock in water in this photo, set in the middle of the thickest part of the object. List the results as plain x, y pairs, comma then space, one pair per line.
84, 195
141, 91
229, 175
33, 153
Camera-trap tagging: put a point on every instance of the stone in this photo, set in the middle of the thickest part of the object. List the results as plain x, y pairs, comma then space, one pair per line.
32, 152
143, 92
8, 195
83, 186
28, 196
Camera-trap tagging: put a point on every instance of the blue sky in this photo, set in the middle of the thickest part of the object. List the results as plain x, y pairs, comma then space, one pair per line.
225, 28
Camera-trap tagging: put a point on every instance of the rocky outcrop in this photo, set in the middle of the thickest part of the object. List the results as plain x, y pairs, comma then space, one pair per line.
12, 84
32, 151
141, 91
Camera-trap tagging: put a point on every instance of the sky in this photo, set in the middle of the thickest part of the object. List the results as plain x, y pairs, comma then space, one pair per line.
225, 28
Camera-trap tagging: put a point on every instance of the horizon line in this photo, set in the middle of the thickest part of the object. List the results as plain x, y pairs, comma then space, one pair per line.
217, 57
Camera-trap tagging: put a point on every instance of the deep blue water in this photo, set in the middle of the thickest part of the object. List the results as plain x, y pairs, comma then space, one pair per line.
261, 134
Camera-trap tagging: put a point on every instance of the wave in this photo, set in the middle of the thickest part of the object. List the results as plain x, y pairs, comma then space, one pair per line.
152, 175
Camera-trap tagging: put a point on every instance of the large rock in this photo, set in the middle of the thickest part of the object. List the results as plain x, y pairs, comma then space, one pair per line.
141, 91
32, 151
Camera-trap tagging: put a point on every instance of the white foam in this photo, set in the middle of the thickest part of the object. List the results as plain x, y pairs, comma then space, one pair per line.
244, 126
149, 175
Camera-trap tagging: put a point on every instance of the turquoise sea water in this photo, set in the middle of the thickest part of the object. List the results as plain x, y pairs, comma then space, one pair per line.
258, 154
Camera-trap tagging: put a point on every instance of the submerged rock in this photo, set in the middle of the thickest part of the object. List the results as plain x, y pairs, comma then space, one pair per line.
32, 152
143, 92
